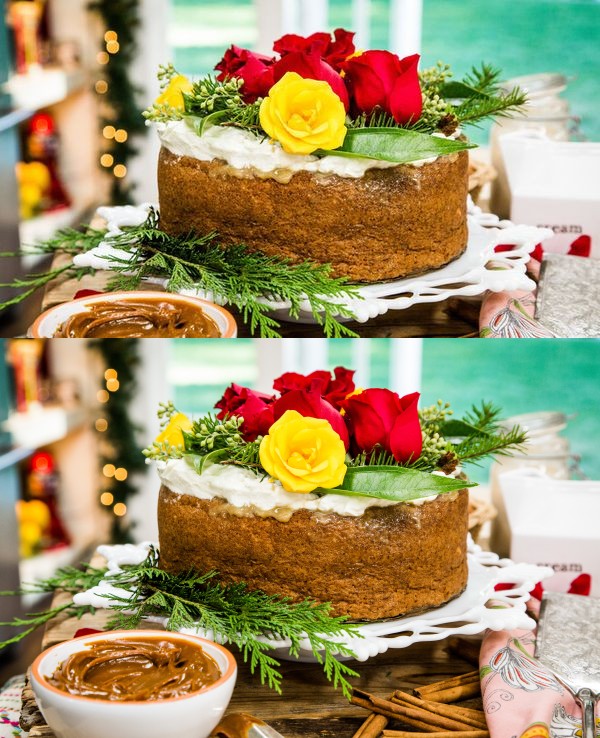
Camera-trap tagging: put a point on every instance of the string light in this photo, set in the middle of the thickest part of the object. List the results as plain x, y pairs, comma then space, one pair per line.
109, 470
112, 385
120, 474
120, 171
120, 509
110, 36
101, 425
107, 498
120, 135
112, 47
102, 396
102, 57
110, 374
109, 131
107, 160
101, 86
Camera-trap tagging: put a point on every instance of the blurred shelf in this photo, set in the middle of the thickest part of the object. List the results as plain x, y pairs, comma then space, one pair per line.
43, 425
43, 227
43, 566
41, 88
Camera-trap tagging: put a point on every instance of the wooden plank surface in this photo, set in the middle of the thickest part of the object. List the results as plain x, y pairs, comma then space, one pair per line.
309, 706
457, 317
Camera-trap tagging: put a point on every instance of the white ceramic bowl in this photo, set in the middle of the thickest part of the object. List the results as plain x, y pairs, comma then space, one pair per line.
46, 324
72, 716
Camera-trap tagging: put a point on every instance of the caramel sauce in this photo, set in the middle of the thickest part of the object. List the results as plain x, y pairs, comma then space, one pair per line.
136, 669
139, 318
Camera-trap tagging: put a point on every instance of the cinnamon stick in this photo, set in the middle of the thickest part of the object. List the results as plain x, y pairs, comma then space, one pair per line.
372, 727
441, 734
415, 716
389, 710
473, 718
454, 681
453, 694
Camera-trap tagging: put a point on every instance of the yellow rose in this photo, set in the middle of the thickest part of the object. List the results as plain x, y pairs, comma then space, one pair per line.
303, 115
303, 453
172, 95
173, 434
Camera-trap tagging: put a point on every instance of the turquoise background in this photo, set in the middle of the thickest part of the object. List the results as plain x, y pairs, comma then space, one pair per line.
520, 37
519, 375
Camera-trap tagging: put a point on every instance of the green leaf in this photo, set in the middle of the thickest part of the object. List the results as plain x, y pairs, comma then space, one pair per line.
460, 91
461, 429
484, 671
395, 144
396, 483
201, 463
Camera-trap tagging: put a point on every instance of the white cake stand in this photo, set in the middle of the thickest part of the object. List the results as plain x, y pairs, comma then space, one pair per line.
468, 614
479, 607
476, 271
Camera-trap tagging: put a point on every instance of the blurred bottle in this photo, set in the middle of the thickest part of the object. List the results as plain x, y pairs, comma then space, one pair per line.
546, 115
546, 451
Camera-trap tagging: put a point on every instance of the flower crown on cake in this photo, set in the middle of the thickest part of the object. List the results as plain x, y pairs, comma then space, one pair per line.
320, 95
322, 434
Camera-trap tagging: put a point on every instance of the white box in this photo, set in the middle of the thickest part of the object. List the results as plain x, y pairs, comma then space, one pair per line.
556, 185
556, 523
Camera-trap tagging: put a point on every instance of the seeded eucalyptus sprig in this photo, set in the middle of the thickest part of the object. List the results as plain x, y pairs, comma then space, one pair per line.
233, 613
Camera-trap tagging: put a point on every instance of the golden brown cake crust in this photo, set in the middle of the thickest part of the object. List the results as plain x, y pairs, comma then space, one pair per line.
390, 561
387, 224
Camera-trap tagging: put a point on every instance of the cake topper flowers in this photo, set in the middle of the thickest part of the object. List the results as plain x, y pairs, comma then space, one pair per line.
320, 95
321, 434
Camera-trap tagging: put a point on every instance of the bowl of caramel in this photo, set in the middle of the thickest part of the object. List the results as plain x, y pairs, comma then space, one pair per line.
134, 684
139, 314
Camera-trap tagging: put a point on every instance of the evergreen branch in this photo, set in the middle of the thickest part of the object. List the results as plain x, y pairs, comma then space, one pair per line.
474, 448
230, 613
229, 274
474, 109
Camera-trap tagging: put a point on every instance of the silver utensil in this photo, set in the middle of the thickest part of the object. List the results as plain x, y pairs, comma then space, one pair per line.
568, 643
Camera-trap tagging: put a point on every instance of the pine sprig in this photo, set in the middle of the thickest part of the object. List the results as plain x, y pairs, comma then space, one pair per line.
476, 109
227, 613
229, 274
476, 447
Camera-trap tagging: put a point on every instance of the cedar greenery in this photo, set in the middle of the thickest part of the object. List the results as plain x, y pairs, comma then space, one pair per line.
228, 274
230, 613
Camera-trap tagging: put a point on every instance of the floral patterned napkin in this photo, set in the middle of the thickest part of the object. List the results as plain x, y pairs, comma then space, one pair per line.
10, 707
521, 698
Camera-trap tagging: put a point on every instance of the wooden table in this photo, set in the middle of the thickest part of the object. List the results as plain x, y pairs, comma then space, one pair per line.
309, 706
457, 317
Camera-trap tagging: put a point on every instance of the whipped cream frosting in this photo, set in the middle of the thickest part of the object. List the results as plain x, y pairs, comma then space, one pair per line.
243, 150
241, 488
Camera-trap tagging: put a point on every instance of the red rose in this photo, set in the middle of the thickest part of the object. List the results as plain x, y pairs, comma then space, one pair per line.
255, 69
333, 52
255, 407
310, 404
379, 79
380, 417
334, 391
308, 64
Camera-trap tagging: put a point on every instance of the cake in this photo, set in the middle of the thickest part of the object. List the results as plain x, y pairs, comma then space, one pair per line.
323, 492
323, 153
385, 223
374, 562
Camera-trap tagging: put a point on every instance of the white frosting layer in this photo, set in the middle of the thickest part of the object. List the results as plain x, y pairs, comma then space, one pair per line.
243, 150
241, 488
